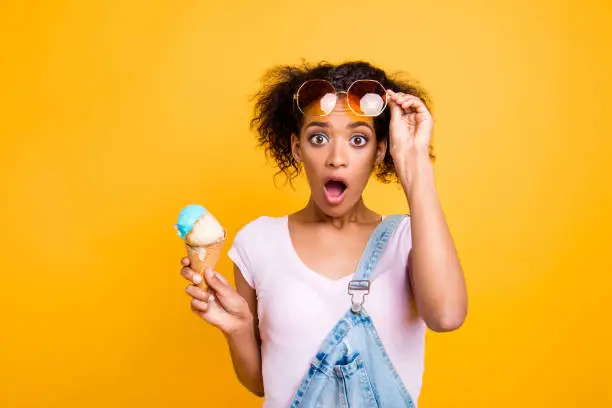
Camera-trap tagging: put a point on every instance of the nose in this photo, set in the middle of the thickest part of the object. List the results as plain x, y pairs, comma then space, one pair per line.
338, 155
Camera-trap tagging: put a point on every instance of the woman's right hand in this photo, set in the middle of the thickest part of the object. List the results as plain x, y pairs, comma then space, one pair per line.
221, 306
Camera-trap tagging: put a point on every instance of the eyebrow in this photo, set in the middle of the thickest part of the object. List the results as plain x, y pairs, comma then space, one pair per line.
351, 125
357, 124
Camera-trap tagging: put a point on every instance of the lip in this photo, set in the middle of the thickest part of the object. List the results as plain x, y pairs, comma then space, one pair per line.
340, 198
335, 178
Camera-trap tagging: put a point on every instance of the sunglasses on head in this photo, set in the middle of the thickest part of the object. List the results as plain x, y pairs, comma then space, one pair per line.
318, 97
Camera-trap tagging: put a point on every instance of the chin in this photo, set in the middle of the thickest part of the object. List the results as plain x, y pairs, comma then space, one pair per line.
334, 210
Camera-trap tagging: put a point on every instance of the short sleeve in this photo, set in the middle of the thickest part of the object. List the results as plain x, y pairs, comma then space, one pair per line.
400, 243
239, 254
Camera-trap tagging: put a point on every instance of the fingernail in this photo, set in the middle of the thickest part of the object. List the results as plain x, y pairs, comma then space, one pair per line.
197, 278
209, 273
211, 298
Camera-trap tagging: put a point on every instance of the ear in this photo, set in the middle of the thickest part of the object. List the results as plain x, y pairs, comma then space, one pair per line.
295, 147
381, 149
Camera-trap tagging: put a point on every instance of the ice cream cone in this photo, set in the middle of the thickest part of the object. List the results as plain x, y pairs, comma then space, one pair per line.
204, 237
204, 256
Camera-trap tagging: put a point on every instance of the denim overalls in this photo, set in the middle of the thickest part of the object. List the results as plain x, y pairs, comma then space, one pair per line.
352, 368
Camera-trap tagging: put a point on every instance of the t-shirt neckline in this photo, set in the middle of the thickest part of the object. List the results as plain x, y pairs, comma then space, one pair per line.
305, 268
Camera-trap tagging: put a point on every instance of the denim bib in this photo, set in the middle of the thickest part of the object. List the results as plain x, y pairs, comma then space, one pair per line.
352, 368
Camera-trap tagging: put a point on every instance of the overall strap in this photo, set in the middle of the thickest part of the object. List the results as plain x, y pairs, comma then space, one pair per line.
360, 285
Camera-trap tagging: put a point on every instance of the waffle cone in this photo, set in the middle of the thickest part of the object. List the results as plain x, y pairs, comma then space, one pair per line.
203, 257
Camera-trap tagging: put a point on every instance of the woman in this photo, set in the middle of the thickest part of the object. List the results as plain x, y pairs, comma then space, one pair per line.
339, 124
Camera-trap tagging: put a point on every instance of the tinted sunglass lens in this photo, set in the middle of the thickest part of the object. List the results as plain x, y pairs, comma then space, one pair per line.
367, 97
316, 97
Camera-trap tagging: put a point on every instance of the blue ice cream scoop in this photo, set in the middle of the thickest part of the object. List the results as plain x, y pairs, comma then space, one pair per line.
187, 219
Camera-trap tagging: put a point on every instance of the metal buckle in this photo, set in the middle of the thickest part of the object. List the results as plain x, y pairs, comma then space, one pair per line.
359, 288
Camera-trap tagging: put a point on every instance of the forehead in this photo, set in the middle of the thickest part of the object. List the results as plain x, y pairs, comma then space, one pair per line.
341, 117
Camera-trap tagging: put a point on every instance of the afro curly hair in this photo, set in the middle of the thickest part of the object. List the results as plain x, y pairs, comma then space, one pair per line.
275, 118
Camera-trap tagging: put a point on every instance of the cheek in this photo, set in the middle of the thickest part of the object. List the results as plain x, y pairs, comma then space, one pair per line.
312, 163
313, 157
365, 162
365, 156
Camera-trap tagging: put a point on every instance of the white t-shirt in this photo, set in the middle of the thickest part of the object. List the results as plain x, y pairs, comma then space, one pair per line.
298, 307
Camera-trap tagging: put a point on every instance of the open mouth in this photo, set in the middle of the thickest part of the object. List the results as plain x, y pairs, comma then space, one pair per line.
334, 191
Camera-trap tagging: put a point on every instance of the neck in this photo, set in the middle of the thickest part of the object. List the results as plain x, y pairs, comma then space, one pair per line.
359, 214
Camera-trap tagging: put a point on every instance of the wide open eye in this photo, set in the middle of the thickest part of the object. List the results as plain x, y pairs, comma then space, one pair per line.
359, 140
318, 139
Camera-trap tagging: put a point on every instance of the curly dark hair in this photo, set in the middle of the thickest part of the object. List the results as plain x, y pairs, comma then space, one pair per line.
275, 117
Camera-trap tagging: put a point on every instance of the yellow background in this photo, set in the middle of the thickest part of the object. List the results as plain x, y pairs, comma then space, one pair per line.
114, 115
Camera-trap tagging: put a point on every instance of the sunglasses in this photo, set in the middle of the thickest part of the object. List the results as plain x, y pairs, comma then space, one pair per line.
318, 97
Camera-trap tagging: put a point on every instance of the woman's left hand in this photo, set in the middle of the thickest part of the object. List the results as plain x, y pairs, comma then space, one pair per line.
410, 127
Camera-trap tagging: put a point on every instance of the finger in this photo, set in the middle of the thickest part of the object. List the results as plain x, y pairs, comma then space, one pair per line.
399, 95
409, 106
396, 110
199, 305
400, 100
198, 293
229, 299
218, 283
222, 278
393, 95
214, 314
191, 275
393, 102
185, 261
416, 104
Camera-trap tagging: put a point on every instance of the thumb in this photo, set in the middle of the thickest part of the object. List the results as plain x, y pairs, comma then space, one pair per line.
396, 110
218, 283
228, 297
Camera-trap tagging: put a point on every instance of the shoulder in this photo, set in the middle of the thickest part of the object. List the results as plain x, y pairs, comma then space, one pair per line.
260, 232
258, 227
252, 245
400, 240
402, 223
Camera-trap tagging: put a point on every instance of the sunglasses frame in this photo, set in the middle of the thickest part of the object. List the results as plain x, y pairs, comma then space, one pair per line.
297, 93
